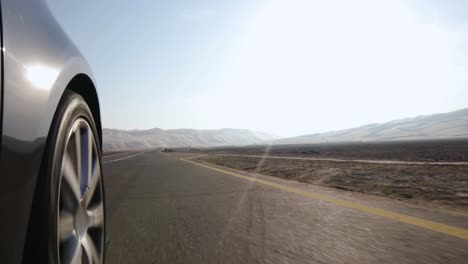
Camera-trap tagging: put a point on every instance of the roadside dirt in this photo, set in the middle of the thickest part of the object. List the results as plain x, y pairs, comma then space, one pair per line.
448, 150
443, 186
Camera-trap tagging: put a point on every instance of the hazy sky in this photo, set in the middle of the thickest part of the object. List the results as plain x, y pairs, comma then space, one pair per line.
285, 67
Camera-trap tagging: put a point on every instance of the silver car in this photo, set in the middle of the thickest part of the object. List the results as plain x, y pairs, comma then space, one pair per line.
51, 191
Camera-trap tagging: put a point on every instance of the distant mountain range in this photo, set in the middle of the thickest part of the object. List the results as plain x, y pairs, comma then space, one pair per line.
153, 138
437, 126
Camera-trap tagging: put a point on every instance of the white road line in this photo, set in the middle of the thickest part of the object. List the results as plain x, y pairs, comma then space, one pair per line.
117, 154
124, 158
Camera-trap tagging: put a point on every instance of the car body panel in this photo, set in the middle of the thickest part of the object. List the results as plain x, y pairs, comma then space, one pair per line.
39, 62
1, 76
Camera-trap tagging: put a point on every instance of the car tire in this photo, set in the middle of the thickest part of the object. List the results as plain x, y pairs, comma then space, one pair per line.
67, 223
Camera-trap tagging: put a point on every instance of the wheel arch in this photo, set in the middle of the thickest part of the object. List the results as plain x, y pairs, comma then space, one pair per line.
84, 86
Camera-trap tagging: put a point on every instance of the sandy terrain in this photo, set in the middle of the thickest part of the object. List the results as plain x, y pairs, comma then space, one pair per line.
437, 185
430, 151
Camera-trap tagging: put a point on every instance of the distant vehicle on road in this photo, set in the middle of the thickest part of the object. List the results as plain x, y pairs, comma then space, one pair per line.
51, 191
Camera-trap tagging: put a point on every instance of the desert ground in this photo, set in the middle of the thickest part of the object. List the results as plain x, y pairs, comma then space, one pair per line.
437, 185
431, 151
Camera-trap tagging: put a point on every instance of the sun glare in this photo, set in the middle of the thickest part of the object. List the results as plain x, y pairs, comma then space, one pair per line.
42, 77
318, 57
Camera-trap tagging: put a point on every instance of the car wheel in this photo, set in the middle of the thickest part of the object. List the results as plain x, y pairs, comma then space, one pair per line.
74, 192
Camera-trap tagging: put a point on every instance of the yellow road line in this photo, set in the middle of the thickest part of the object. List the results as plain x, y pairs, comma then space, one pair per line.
434, 226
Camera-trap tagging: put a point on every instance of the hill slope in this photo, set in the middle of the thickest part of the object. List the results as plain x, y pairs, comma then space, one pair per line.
140, 139
447, 125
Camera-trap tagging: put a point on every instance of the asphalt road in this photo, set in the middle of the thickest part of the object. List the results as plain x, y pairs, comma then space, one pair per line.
161, 209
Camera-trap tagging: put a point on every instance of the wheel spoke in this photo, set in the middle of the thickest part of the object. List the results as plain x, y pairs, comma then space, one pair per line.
73, 253
66, 226
71, 179
93, 183
87, 155
78, 149
97, 214
78, 255
92, 254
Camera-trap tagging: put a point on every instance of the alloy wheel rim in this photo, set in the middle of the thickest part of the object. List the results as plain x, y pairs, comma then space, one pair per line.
80, 218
